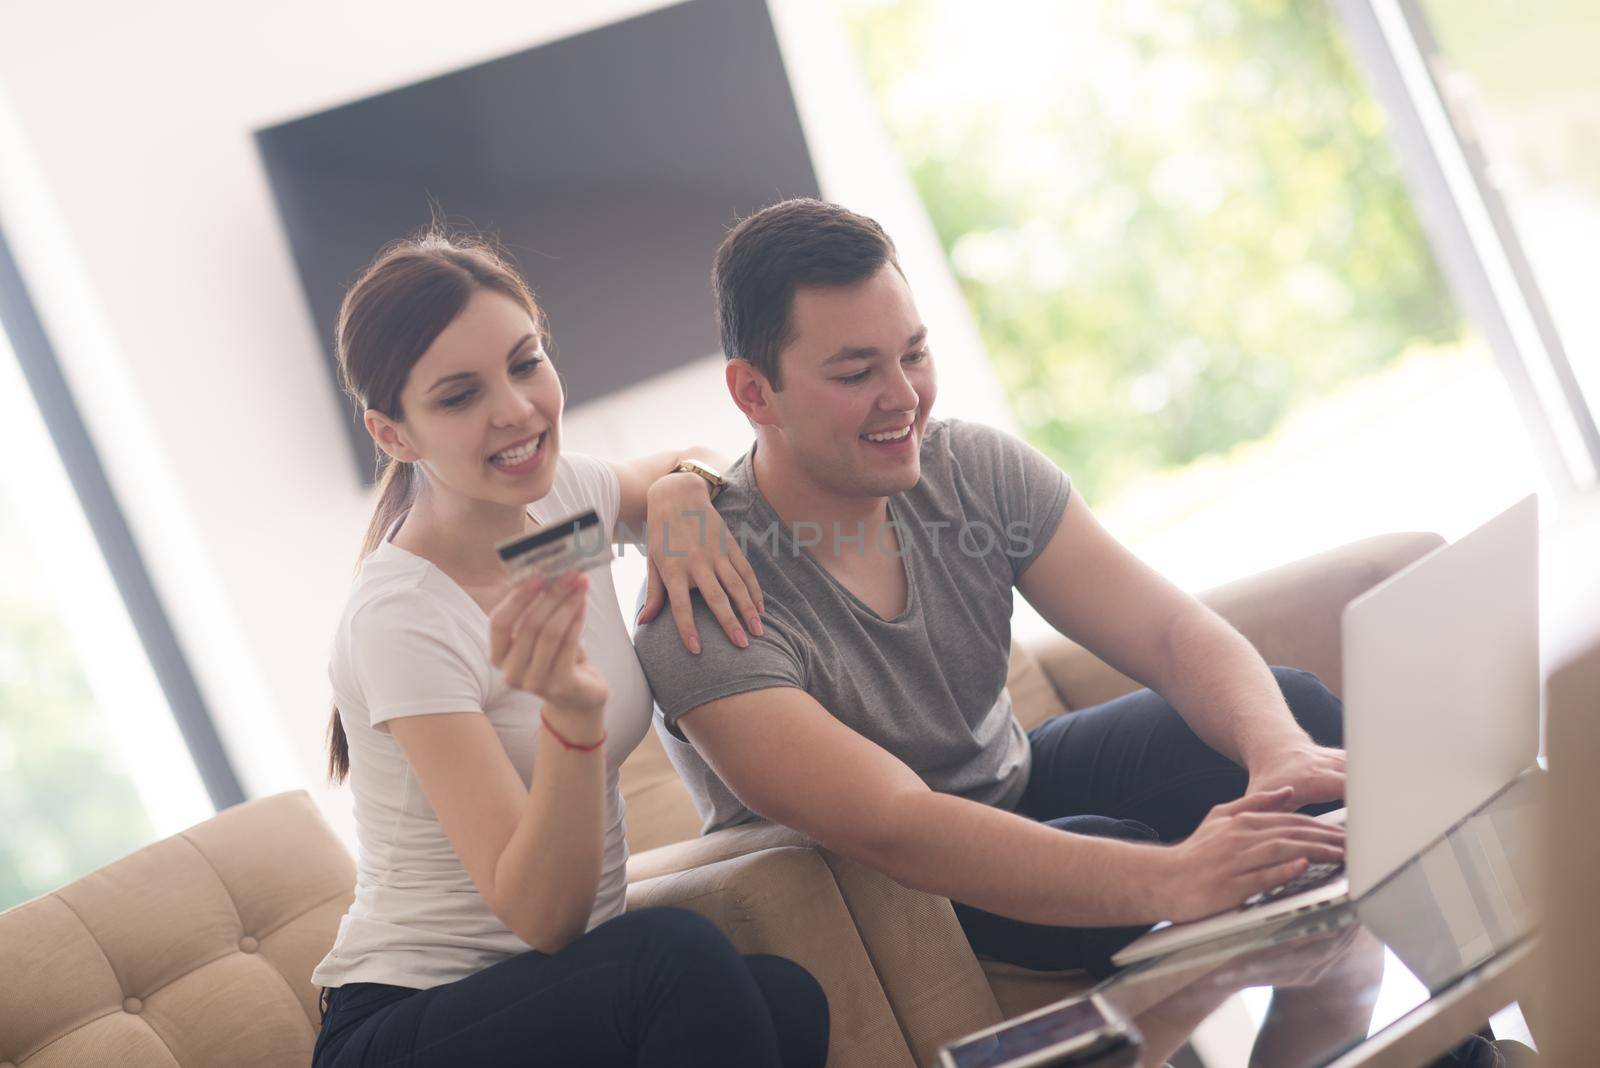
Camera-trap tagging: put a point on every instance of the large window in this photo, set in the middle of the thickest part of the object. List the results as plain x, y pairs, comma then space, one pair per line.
92, 761
1197, 265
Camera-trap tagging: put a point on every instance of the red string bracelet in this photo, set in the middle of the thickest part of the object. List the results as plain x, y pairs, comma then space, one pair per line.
572, 745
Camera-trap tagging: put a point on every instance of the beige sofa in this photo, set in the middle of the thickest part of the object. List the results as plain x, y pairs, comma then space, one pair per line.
197, 950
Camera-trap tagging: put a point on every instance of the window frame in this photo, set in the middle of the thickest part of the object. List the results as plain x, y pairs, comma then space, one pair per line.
1472, 235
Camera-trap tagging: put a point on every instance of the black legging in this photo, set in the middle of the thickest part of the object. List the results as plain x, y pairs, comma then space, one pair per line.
656, 987
1129, 768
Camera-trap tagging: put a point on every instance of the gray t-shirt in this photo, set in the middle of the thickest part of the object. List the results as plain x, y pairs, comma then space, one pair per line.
927, 685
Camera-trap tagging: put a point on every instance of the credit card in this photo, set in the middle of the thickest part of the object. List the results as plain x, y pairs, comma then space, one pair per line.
577, 543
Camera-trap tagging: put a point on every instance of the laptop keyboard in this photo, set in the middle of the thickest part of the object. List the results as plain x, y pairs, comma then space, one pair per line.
1314, 876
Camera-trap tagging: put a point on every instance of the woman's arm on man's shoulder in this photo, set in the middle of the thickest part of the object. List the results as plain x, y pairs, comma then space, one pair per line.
636, 476
689, 547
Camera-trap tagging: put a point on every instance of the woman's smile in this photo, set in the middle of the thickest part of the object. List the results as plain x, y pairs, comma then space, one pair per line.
522, 458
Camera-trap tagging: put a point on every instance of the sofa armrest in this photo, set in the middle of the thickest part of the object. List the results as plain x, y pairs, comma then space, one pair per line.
936, 986
1291, 614
785, 901
933, 984
710, 849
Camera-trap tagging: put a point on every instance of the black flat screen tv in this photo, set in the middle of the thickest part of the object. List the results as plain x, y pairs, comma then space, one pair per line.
608, 164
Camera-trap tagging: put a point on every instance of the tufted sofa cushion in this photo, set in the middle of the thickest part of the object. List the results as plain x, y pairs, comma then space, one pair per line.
192, 951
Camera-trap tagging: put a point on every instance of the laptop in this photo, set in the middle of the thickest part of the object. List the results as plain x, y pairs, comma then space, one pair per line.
1441, 710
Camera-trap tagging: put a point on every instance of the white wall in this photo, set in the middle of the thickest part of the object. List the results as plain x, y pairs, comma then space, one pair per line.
132, 192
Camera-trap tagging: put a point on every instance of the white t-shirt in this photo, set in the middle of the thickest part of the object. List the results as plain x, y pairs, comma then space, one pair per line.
412, 642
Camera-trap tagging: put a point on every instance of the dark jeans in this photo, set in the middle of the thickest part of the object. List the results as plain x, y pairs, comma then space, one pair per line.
652, 987
1130, 768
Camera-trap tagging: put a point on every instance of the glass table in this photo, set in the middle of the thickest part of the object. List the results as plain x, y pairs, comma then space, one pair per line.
1398, 977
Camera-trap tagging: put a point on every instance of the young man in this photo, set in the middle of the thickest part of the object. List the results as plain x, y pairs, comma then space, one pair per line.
869, 709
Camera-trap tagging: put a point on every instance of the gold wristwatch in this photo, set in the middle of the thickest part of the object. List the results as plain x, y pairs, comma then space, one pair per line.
705, 471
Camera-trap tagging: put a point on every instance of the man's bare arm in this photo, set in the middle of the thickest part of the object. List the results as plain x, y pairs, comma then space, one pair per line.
792, 762
1094, 591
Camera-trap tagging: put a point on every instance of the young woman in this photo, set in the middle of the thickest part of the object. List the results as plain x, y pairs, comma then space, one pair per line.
482, 722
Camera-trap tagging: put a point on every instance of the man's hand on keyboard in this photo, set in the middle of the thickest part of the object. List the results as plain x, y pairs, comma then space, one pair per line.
1242, 848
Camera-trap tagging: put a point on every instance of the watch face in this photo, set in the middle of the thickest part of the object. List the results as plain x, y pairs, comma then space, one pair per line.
714, 481
705, 471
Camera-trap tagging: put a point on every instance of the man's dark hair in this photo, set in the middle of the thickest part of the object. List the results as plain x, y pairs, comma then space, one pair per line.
769, 255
